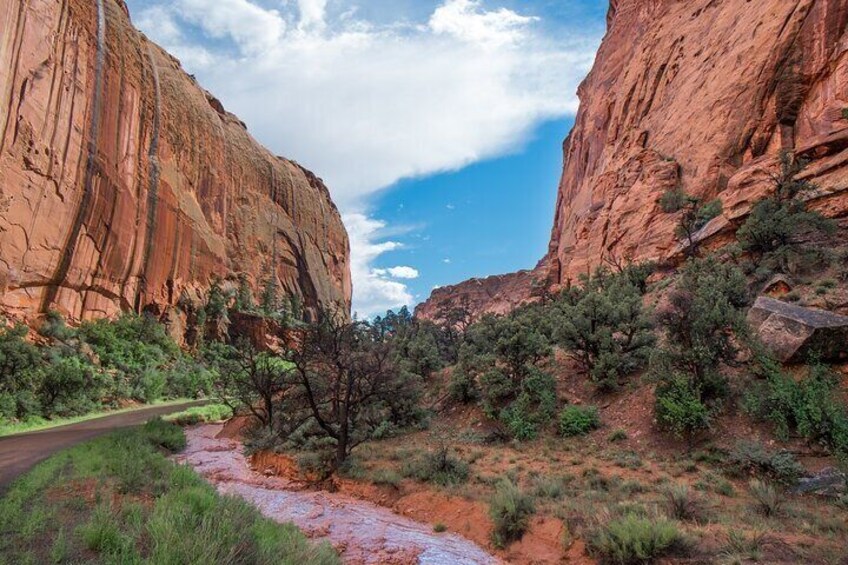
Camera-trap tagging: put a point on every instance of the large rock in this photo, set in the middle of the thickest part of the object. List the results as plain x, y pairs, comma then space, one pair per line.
702, 96
124, 185
793, 333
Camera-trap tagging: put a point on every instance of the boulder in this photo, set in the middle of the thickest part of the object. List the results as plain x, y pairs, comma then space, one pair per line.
828, 482
792, 333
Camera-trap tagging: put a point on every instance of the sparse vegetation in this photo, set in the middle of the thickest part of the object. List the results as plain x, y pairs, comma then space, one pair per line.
634, 539
752, 458
510, 510
768, 500
439, 466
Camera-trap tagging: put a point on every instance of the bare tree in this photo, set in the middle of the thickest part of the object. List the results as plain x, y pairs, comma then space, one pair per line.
348, 381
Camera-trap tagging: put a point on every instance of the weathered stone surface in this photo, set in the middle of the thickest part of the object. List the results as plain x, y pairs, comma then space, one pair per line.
702, 96
829, 482
793, 332
124, 185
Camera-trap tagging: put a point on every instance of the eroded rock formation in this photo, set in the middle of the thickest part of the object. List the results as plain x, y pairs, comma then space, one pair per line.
702, 96
126, 186
497, 295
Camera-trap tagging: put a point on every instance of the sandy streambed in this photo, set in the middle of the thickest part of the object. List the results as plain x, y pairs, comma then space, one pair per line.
362, 532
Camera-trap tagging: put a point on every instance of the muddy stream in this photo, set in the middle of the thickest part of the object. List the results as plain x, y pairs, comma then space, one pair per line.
361, 531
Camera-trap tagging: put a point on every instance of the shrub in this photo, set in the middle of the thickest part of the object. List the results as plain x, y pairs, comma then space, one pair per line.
679, 407
463, 387
439, 466
510, 510
768, 500
635, 539
604, 325
618, 435
696, 214
533, 408
810, 407
578, 420
753, 458
683, 505
673, 200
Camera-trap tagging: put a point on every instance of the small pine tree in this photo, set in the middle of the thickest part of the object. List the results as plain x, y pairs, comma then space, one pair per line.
244, 296
696, 214
270, 295
604, 326
777, 221
703, 324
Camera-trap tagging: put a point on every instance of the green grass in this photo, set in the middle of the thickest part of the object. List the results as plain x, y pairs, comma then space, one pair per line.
118, 499
201, 415
38, 424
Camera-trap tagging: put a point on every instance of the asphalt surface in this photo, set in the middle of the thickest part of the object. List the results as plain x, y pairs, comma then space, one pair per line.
20, 453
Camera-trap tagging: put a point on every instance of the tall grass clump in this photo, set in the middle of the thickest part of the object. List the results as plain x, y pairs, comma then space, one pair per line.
510, 510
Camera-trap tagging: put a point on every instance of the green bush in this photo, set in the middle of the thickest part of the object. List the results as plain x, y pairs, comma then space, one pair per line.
810, 407
578, 420
463, 387
635, 539
533, 408
679, 407
604, 325
510, 510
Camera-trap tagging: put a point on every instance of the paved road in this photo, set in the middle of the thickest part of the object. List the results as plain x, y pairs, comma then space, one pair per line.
20, 453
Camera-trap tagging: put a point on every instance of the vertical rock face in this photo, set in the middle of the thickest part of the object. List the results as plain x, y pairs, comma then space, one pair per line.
702, 96
125, 186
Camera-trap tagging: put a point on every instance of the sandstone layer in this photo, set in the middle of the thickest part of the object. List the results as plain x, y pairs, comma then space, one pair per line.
125, 186
701, 96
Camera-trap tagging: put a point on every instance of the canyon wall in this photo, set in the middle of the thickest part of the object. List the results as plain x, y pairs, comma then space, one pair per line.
125, 186
702, 96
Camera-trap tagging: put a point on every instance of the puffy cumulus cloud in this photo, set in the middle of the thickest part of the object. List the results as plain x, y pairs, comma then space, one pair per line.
365, 103
466, 20
408, 273
374, 291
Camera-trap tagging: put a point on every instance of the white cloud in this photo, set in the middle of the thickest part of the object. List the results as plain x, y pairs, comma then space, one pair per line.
408, 273
374, 291
466, 20
254, 29
365, 104
312, 14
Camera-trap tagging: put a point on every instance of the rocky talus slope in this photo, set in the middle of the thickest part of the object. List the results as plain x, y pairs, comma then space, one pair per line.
702, 96
125, 186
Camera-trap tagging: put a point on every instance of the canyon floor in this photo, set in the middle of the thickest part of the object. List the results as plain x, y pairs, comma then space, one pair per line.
573, 483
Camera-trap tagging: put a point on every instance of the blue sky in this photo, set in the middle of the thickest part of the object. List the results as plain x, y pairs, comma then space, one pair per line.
436, 124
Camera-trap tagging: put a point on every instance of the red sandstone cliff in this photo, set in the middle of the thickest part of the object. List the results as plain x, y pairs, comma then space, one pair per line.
701, 95
125, 186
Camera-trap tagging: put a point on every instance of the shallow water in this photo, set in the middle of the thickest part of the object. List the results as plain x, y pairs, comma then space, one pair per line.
361, 531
